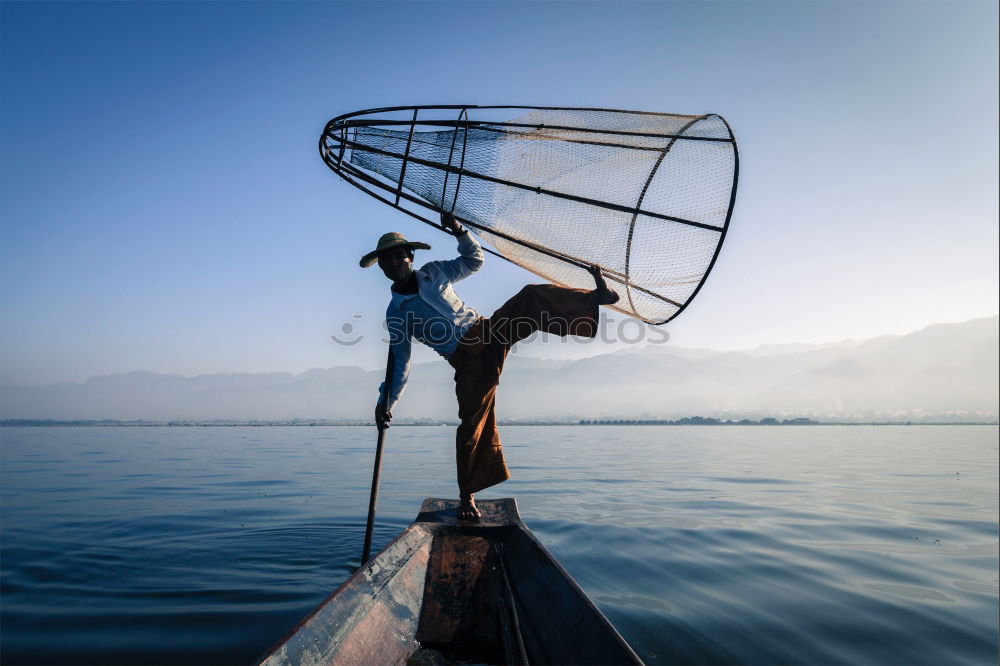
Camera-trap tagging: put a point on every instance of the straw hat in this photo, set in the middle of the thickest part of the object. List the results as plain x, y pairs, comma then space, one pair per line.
389, 240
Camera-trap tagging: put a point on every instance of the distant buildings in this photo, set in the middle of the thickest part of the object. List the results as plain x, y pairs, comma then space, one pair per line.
701, 420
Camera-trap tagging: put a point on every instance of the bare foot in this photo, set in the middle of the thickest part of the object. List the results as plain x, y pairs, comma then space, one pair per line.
602, 293
467, 508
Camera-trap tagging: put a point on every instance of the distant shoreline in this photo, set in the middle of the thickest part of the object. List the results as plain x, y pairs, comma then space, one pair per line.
689, 421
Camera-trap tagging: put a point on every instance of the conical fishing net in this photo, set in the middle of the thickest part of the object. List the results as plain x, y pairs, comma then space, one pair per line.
646, 196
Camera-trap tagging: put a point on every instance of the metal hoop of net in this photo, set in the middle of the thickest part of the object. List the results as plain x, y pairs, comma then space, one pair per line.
646, 196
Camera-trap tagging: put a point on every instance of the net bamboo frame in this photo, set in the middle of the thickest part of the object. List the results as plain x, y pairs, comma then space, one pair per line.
646, 196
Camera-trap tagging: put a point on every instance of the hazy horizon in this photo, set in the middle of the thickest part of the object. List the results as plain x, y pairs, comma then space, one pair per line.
536, 349
941, 372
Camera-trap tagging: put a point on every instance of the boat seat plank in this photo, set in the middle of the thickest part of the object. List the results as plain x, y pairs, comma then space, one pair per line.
461, 594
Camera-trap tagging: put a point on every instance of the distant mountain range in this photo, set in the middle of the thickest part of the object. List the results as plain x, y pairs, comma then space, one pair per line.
942, 372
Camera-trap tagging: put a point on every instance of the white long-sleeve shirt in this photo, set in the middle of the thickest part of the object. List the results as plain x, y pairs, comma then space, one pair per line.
435, 315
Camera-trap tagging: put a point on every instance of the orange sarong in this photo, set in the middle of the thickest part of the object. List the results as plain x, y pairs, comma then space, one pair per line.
478, 362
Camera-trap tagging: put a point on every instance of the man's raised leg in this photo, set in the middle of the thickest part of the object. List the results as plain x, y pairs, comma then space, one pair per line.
603, 294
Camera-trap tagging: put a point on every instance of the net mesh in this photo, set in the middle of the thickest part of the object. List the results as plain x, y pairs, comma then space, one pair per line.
645, 196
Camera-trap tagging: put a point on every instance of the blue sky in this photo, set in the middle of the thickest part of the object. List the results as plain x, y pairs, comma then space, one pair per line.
163, 206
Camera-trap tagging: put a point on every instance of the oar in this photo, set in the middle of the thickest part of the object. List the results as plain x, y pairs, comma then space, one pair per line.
378, 465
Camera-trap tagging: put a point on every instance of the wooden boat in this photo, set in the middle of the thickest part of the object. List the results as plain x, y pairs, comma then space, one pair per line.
445, 592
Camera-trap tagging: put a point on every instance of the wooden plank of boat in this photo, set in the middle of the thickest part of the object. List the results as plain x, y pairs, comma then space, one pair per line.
445, 592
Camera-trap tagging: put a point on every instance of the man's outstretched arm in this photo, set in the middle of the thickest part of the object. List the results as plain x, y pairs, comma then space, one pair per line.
470, 257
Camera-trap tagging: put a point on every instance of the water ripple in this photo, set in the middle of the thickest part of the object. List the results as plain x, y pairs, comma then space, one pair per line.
702, 545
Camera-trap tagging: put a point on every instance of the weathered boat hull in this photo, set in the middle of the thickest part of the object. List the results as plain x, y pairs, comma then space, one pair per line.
444, 591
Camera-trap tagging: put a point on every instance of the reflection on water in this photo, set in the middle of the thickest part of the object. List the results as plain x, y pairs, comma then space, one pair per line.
702, 544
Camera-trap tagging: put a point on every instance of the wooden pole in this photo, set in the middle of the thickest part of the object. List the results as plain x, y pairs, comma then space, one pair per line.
378, 464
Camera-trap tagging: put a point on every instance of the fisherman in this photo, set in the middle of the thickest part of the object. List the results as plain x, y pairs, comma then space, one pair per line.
425, 306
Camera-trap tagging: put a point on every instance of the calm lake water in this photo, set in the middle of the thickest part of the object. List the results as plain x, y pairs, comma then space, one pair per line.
703, 545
